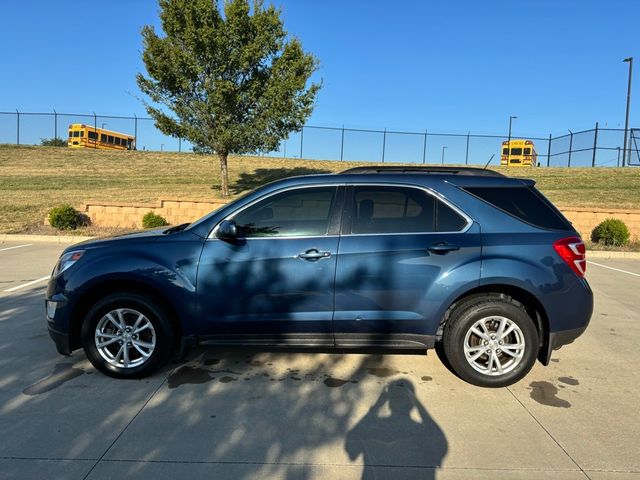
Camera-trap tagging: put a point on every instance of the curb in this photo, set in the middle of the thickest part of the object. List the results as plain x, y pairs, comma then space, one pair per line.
59, 239
610, 254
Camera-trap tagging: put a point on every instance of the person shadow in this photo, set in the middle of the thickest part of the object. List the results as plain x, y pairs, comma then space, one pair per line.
397, 438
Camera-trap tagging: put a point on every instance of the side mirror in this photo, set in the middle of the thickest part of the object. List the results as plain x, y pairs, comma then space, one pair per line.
227, 230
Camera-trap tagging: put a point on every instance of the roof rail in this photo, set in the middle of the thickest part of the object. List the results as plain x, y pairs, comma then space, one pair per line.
472, 171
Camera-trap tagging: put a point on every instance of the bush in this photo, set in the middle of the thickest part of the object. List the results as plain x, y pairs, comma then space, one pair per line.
53, 142
611, 232
65, 217
151, 220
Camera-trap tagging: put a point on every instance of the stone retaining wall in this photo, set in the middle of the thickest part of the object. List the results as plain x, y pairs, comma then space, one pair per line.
586, 219
117, 215
104, 214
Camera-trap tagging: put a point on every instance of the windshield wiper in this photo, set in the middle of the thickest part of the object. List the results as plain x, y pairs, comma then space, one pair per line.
177, 228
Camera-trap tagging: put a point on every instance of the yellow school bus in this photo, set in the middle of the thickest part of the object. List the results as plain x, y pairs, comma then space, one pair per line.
518, 153
87, 136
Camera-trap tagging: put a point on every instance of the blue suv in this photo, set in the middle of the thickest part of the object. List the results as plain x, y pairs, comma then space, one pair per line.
394, 258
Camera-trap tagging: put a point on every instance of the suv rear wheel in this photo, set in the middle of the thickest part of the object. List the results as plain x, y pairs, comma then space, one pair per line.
490, 341
127, 336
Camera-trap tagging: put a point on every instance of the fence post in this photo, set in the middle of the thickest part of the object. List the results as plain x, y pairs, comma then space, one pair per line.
179, 144
466, 155
595, 146
549, 152
384, 143
55, 124
301, 140
618, 162
570, 148
18, 129
95, 129
424, 148
342, 144
135, 131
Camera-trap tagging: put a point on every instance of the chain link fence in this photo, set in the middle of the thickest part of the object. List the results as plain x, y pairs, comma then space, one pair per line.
597, 147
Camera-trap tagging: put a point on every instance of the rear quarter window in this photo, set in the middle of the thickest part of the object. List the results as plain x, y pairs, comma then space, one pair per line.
525, 203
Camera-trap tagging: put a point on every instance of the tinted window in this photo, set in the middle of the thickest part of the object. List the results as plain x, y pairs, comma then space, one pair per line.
70, 134
527, 151
525, 203
447, 219
92, 135
516, 151
505, 151
103, 137
117, 140
110, 138
76, 133
301, 212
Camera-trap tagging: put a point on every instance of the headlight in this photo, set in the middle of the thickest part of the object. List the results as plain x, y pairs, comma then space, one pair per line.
67, 260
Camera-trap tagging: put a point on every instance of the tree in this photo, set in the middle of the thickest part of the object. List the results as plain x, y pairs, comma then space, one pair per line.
53, 142
230, 80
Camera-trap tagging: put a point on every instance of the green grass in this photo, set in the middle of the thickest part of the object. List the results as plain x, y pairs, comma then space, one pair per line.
34, 179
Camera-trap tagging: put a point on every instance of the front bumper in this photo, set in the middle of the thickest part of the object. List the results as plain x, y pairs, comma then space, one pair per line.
61, 340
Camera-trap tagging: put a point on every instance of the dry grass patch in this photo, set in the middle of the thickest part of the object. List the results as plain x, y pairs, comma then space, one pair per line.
34, 179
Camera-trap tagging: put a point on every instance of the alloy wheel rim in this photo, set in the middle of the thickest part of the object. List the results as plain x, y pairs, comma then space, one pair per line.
494, 345
125, 338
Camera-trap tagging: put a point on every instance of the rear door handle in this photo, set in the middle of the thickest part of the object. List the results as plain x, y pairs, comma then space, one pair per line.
441, 248
313, 255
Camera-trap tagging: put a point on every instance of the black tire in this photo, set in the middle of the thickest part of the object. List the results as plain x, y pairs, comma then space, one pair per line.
465, 315
164, 336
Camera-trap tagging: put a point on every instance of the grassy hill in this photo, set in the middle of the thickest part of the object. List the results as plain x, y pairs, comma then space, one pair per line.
33, 179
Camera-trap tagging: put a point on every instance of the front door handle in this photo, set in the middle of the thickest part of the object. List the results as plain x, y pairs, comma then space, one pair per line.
442, 248
313, 255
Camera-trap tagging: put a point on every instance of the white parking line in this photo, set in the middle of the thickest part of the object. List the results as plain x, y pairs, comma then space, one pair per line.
611, 268
17, 246
28, 284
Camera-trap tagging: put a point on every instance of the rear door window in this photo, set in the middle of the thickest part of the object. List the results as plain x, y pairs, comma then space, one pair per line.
525, 203
387, 209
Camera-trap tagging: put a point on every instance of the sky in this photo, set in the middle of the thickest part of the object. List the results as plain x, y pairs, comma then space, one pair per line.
448, 66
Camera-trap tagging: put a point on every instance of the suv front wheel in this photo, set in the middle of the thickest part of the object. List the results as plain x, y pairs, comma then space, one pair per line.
490, 341
126, 335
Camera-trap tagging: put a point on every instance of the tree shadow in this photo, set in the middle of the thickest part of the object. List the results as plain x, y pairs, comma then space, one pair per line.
395, 437
260, 176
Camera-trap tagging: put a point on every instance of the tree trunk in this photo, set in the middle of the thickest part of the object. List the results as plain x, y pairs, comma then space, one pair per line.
224, 177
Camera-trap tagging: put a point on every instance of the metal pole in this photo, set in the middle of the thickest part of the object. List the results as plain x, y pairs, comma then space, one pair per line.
135, 131
549, 152
384, 143
301, 140
466, 155
55, 124
595, 145
511, 117
618, 162
443, 148
342, 144
626, 122
18, 129
95, 129
570, 148
179, 144
424, 148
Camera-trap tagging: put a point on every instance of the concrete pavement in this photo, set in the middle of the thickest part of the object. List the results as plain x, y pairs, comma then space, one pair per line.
277, 414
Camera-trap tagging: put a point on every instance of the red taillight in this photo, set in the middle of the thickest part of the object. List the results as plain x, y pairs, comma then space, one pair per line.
573, 252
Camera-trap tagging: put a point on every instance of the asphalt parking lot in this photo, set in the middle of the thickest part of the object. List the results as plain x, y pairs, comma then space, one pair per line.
286, 415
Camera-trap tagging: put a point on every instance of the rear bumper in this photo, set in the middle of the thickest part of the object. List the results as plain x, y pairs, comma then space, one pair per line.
557, 340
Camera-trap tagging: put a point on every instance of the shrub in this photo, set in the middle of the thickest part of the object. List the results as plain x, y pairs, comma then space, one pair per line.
151, 220
53, 142
65, 217
611, 232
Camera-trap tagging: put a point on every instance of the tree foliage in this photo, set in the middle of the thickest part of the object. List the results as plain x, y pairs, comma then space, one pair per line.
228, 79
